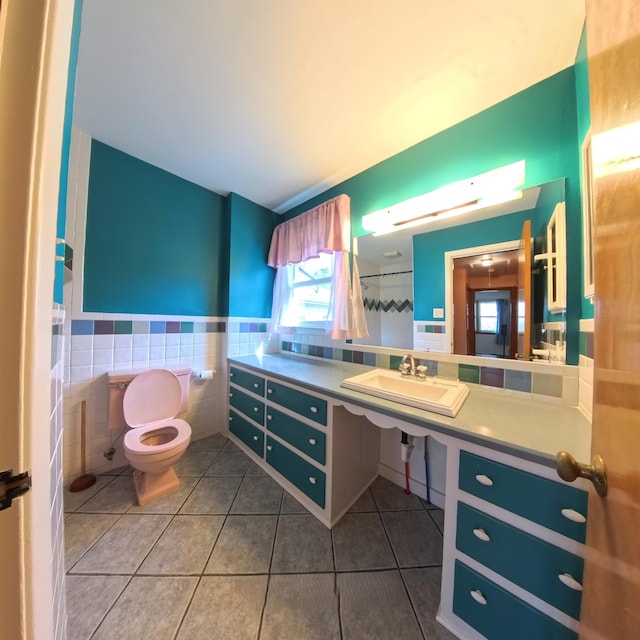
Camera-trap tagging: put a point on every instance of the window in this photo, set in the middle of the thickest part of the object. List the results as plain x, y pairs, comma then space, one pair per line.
486, 316
311, 287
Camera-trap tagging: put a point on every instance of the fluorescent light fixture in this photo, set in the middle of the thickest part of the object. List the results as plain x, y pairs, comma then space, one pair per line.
486, 261
616, 150
491, 188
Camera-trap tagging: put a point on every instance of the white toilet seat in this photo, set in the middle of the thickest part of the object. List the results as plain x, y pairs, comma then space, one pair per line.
133, 438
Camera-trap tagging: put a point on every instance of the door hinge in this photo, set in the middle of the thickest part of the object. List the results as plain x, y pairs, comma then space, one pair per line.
12, 487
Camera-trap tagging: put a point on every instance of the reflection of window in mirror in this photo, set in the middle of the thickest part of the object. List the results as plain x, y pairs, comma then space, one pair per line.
587, 215
486, 316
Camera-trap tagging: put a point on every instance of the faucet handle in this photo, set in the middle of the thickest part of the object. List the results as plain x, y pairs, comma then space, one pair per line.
421, 371
405, 368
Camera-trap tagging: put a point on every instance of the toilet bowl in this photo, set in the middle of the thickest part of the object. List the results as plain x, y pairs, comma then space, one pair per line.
157, 439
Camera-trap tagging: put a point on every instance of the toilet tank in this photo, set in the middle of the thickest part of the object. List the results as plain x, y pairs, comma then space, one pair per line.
118, 381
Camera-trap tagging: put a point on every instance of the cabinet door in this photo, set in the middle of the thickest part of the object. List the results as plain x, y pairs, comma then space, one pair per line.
249, 381
247, 404
541, 568
552, 504
497, 614
305, 404
303, 437
248, 433
305, 476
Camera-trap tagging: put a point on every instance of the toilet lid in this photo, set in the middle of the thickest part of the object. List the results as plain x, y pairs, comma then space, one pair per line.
152, 396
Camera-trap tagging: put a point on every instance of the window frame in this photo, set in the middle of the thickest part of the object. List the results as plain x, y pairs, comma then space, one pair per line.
313, 324
479, 316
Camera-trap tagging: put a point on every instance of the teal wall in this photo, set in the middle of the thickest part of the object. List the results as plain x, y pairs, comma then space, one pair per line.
583, 109
61, 223
538, 125
155, 243
250, 279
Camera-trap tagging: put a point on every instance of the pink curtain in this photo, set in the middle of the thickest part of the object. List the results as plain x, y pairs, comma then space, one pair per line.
324, 229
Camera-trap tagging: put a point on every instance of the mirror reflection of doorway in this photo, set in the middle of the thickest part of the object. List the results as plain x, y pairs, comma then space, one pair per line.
485, 299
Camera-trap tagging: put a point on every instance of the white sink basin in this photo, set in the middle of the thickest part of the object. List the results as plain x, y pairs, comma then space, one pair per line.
433, 394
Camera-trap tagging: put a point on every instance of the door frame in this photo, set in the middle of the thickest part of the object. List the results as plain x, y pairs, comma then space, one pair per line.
34, 57
468, 252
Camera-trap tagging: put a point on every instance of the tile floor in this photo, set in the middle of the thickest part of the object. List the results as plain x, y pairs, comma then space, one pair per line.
232, 556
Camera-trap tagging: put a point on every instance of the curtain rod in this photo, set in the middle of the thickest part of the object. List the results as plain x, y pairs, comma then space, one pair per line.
380, 275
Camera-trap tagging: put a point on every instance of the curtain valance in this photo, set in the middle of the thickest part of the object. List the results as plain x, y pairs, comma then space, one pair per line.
323, 229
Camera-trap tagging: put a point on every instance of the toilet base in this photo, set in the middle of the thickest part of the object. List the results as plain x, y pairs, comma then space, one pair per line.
150, 486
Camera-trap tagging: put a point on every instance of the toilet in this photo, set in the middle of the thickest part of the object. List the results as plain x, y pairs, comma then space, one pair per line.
156, 440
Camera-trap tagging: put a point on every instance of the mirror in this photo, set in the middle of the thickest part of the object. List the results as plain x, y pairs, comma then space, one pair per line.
409, 281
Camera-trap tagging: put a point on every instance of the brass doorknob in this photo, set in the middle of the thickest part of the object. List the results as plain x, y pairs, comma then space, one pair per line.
569, 469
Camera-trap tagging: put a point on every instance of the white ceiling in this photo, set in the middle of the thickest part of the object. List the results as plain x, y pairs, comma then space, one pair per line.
278, 100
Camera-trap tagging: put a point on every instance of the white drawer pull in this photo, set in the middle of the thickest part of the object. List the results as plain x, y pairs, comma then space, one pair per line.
230, 418
256, 409
231, 375
481, 534
485, 480
569, 581
230, 394
269, 416
269, 390
256, 385
314, 409
312, 441
312, 479
476, 594
255, 438
269, 447
573, 515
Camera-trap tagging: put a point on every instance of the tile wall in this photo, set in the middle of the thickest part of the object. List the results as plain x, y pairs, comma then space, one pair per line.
430, 336
55, 450
547, 382
387, 294
121, 343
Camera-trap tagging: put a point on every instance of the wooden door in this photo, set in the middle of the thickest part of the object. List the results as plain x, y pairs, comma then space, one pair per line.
611, 598
524, 290
34, 54
471, 322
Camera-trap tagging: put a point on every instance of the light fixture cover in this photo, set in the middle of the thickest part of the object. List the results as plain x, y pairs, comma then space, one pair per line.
490, 188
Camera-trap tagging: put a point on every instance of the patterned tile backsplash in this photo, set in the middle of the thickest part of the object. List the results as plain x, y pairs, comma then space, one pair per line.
504, 374
124, 327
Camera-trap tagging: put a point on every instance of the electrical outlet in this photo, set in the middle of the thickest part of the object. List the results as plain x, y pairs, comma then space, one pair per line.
438, 313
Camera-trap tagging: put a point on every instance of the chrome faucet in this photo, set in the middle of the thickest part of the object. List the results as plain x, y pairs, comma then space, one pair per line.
408, 365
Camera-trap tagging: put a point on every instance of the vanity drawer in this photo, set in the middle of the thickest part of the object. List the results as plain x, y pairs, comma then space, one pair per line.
552, 504
247, 404
497, 614
305, 476
303, 437
306, 405
531, 563
247, 380
248, 433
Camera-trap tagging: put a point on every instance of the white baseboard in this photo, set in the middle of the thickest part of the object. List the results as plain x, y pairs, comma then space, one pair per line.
417, 486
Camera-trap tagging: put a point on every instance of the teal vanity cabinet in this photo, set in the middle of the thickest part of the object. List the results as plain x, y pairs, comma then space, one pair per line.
246, 409
291, 432
514, 549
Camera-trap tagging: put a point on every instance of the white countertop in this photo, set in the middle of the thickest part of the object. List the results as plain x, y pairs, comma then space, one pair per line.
531, 429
